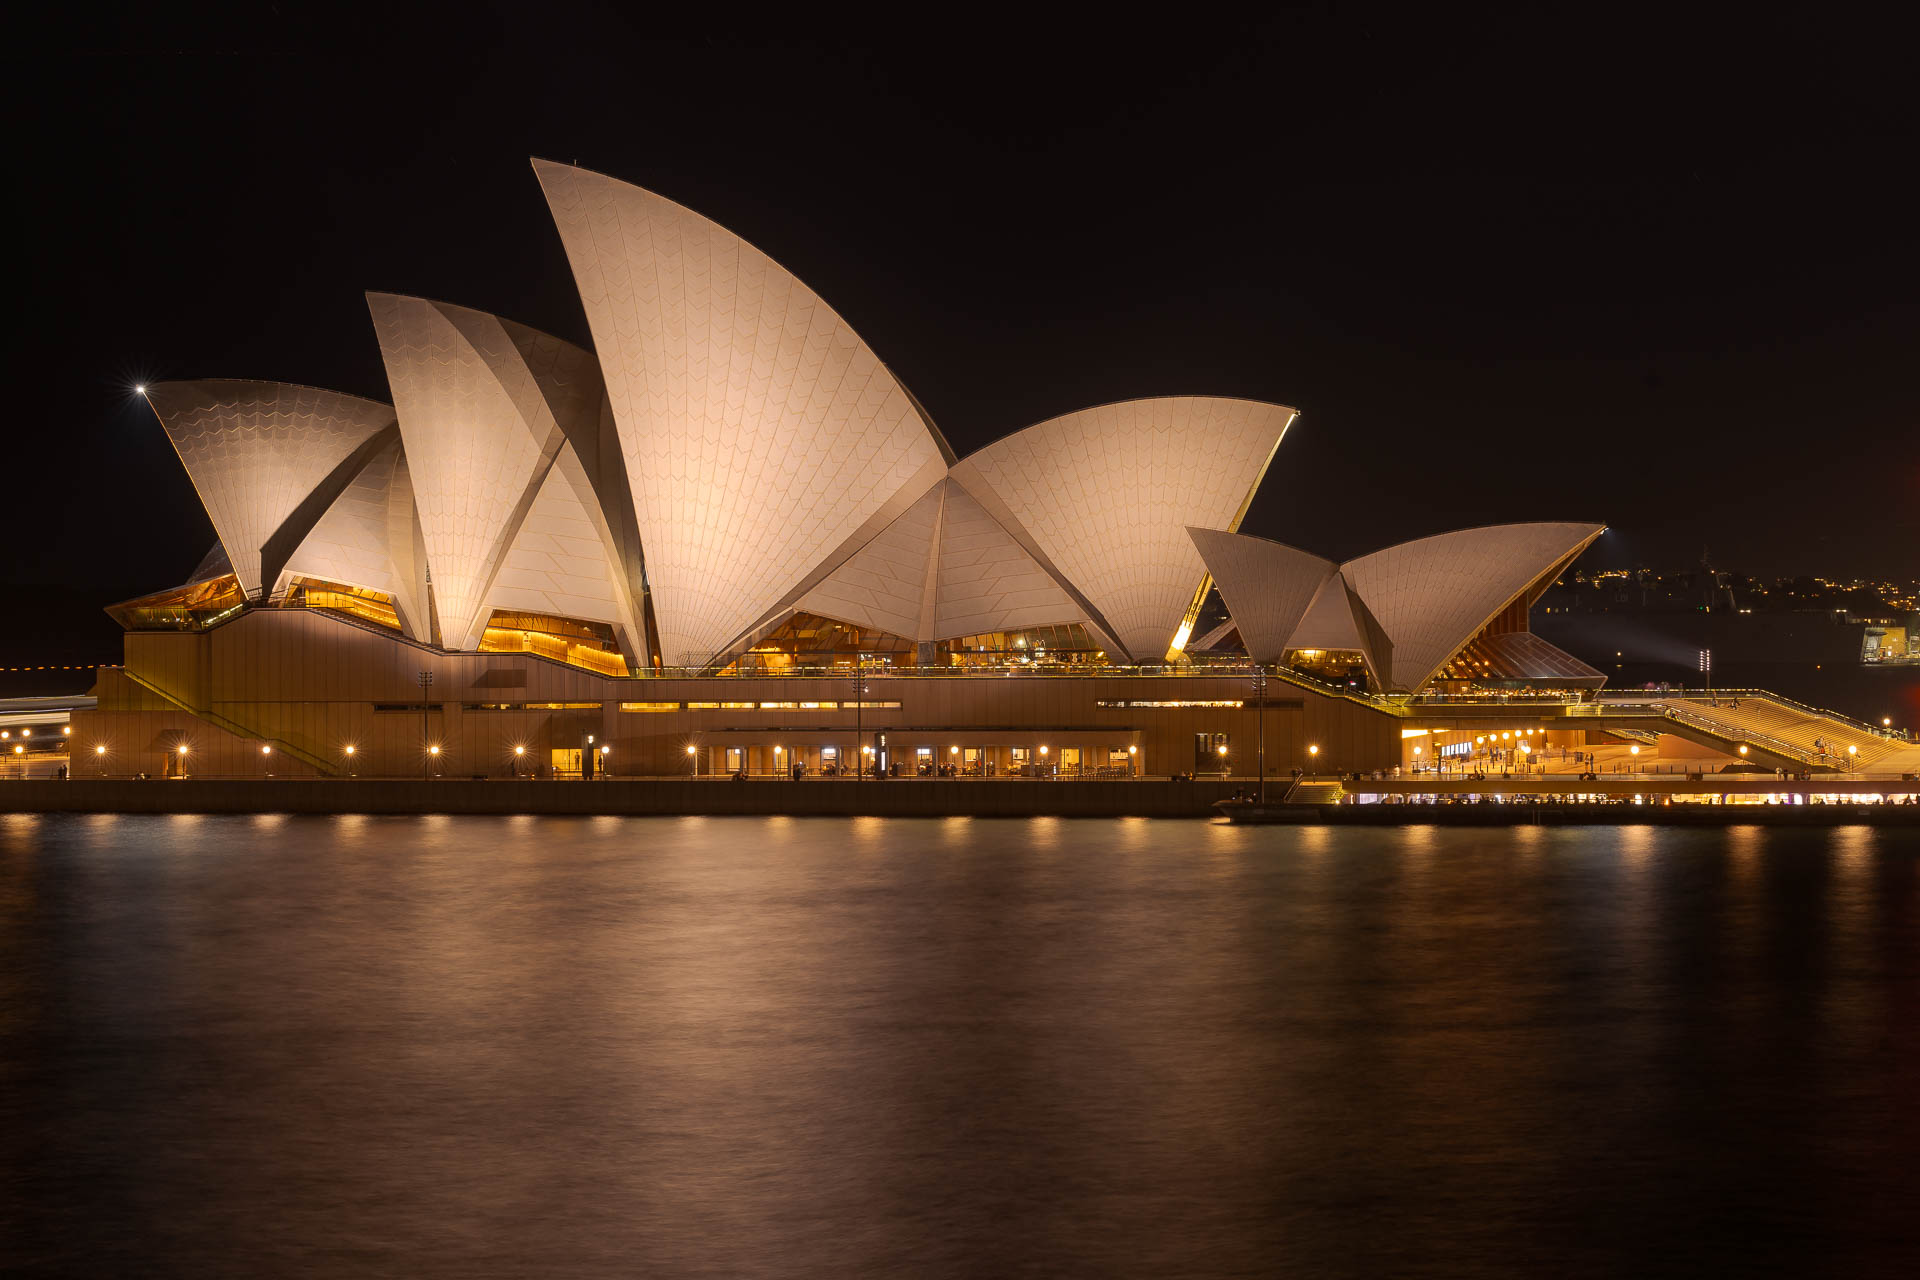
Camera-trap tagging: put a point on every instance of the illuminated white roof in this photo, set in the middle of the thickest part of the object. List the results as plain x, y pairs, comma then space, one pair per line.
368, 538
944, 569
1434, 594
503, 429
1265, 585
559, 562
760, 434
258, 452
1103, 499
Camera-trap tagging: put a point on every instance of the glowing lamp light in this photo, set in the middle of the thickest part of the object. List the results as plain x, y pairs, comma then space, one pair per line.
17, 748
520, 751
689, 750
26, 733
1221, 749
6, 733
604, 749
1043, 749
1480, 741
433, 750
1743, 748
266, 750
100, 750
779, 751
139, 388
1416, 751
67, 729
1851, 749
1133, 751
350, 748
1634, 749
183, 748
953, 751
1313, 750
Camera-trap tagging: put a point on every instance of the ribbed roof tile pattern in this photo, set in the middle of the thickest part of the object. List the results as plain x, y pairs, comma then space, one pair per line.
353, 543
1107, 496
1434, 594
558, 562
1266, 586
760, 432
481, 403
256, 450
987, 581
886, 585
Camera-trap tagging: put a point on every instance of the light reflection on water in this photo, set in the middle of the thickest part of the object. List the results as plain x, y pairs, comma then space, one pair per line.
718, 1046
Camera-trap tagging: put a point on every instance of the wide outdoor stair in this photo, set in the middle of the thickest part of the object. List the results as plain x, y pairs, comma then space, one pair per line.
1800, 727
1315, 791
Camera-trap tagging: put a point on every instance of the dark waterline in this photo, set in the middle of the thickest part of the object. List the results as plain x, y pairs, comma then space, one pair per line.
720, 1047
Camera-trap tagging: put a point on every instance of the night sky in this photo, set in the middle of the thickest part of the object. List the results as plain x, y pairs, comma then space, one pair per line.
1597, 268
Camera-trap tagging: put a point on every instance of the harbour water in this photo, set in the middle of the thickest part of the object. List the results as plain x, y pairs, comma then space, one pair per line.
357, 1046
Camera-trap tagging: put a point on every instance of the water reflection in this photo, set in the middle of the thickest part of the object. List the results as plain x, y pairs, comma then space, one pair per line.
727, 1046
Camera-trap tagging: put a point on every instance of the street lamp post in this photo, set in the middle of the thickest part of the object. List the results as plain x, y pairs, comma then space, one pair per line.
859, 714
1260, 723
693, 761
426, 764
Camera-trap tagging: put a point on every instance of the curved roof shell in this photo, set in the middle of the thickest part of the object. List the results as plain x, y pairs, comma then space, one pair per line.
1267, 586
267, 459
496, 418
1102, 499
1433, 595
764, 441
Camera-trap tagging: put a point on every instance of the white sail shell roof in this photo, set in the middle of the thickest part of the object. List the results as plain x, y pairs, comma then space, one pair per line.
1103, 498
1434, 594
761, 434
370, 538
257, 451
558, 562
1267, 586
946, 568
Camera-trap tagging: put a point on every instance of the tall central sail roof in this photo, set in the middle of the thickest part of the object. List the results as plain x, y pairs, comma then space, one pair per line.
762, 437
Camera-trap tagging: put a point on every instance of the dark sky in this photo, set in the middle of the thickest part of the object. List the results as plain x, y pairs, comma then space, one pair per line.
1590, 266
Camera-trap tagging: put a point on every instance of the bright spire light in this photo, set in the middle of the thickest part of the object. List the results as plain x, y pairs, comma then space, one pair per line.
139, 388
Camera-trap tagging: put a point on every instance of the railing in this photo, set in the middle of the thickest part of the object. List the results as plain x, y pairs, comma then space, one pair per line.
233, 727
1767, 695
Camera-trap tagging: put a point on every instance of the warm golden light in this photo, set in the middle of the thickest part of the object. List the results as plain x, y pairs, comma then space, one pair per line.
100, 750
183, 748
1221, 749
1634, 749
1743, 748
1313, 750
520, 751
17, 748
66, 729
139, 388
953, 751
1043, 749
1851, 749
434, 750
349, 748
266, 750
26, 733
689, 749
1133, 751
604, 749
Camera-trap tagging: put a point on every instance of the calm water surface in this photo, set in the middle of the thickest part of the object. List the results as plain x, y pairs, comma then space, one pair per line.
738, 1047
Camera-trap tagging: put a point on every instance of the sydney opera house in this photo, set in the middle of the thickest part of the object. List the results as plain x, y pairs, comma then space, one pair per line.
728, 540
